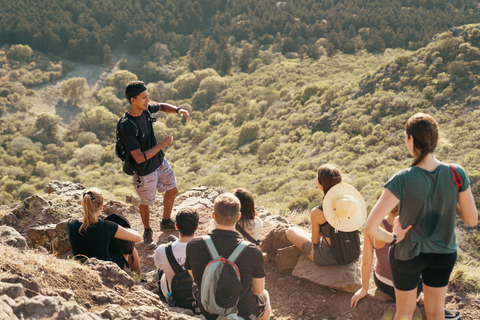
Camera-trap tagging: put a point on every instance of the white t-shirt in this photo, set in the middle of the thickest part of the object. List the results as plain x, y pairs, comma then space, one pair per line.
179, 250
252, 227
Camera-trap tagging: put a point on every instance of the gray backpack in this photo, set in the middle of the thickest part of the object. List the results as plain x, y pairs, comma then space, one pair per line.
221, 287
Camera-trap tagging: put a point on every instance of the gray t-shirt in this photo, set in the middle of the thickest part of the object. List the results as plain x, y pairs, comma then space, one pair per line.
427, 202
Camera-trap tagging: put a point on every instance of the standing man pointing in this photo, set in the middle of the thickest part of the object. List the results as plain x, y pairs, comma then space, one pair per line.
152, 170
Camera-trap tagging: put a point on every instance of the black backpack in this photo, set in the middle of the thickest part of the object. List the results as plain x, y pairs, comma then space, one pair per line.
182, 283
120, 149
119, 245
345, 245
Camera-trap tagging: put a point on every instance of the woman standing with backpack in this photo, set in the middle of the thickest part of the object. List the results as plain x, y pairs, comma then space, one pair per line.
90, 236
428, 194
343, 210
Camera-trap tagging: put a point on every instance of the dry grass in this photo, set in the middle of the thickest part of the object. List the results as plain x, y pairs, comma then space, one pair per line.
50, 272
465, 276
300, 217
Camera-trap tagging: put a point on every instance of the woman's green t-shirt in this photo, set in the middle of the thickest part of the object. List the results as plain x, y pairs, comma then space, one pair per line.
428, 202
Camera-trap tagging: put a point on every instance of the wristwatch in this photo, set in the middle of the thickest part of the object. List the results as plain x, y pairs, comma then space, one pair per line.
178, 109
394, 240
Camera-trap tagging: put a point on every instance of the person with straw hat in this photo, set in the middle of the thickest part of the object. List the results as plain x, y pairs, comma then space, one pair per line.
343, 209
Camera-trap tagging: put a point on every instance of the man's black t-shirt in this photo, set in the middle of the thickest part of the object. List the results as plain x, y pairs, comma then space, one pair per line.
94, 241
145, 140
250, 264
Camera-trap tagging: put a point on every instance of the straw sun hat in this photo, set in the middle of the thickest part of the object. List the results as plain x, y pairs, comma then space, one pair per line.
344, 208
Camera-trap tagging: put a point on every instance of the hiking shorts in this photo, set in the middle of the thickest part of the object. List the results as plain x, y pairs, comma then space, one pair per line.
435, 269
160, 180
322, 254
262, 300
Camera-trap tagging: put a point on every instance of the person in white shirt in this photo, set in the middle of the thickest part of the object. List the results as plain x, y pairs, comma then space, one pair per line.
186, 224
249, 220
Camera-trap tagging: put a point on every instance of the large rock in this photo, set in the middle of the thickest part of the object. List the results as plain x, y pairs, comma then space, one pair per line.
31, 286
287, 258
12, 237
110, 273
276, 239
54, 237
346, 278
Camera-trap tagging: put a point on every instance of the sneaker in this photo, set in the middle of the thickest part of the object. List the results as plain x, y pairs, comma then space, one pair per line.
452, 314
168, 226
148, 239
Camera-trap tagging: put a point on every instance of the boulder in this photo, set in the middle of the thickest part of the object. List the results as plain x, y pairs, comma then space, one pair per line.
54, 237
287, 258
276, 239
30, 286
12, 237
346, 278
110, 273
13, 290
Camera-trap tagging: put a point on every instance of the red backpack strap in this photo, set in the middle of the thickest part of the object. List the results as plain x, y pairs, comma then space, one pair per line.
456, 177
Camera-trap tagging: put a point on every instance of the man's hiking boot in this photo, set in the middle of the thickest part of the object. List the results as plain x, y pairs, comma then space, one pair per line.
167, 227
148, 239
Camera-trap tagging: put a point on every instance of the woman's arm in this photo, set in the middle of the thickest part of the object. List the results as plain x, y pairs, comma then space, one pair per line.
367, 260
384, 205
466, 208
128, 234
317, 217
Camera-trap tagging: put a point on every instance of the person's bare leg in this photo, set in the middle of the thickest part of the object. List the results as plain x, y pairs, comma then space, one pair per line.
168, 200
434, 301
302, 240
406, 302
136, 263
145, 215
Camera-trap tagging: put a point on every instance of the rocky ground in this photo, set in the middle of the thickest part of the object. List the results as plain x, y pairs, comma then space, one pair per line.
38, 279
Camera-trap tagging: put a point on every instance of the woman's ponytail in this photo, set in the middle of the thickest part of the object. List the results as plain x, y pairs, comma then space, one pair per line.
92, 200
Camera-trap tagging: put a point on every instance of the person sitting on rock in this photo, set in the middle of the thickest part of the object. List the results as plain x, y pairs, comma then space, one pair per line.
90, 236
317, 245
186, 222
382, 274
249, 223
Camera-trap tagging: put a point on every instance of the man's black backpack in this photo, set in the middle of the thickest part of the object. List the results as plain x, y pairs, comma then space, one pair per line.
120, 149
182, 283
345, 246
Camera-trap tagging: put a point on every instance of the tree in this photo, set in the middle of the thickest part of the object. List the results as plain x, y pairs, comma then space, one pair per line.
48, 123
74, 89
19, 52
120, 79
99, 121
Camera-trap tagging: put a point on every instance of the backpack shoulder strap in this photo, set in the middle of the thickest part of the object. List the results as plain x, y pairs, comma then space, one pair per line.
171, 259
238, 251
211, 247
456, 177
126, 120
246, 235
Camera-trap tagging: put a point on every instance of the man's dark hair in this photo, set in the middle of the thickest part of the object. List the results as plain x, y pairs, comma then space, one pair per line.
134, 88
187, 221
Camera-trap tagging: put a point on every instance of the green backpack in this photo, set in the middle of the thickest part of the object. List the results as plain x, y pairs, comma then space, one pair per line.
221, 286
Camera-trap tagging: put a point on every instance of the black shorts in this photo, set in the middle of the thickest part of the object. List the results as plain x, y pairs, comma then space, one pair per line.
435, 269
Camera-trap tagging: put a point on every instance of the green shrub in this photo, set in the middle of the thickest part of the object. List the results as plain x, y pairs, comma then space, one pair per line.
299, 203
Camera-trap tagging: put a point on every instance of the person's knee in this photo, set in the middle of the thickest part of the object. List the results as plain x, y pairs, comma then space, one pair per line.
172, 192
